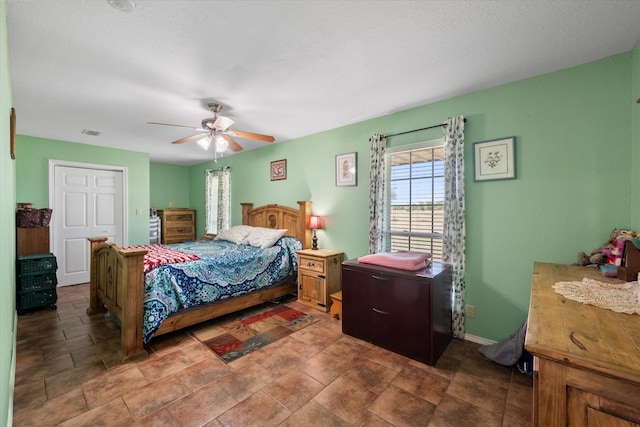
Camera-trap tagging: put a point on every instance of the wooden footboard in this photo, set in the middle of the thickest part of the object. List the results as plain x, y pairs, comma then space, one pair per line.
117, 280
117, 284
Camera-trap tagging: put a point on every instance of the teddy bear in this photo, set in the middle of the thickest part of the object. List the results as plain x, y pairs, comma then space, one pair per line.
597, 257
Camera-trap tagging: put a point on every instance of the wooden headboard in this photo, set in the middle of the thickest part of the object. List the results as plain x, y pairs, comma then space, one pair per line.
277, 216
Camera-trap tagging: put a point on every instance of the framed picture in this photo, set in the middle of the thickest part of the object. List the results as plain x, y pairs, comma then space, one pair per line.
494, 159
12, 146
346, 173
278, 170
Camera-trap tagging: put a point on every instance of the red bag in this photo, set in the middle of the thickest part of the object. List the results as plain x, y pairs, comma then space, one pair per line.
28, 218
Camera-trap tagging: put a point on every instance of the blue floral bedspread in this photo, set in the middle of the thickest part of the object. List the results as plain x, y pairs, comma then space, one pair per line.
224, 270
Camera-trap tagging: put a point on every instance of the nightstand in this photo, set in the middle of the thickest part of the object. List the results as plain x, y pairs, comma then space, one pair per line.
319, 275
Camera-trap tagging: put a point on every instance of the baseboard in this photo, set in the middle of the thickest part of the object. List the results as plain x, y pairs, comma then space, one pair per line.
478, 340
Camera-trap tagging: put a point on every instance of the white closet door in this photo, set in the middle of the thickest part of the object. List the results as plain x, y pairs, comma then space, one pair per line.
88, 203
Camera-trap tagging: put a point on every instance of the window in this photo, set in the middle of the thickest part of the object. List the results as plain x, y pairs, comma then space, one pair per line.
415, 199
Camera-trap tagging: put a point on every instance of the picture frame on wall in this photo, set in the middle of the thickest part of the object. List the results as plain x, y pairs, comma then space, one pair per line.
278, 170
12, 126
494, 159
346, 170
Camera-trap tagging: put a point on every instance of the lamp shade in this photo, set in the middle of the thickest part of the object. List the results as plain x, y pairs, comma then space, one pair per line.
221, 144
205, 142
315, 223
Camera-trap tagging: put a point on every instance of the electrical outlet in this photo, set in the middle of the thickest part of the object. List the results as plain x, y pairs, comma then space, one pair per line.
172, 204
471, 311
138, 211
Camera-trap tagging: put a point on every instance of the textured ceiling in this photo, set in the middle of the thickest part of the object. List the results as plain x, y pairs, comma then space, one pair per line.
283, 68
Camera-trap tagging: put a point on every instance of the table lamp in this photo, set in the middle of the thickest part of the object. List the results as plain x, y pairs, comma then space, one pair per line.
315, 223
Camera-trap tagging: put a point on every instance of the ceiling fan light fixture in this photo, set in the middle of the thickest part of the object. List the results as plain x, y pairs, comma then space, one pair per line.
221, 144
223, 122
205, 142
217, 128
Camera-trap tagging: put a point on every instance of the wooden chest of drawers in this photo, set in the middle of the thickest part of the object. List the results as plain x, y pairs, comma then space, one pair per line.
586, 366
178, 225
407, 312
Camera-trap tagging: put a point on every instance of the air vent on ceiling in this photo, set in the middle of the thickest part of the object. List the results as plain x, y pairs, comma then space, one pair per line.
90, 132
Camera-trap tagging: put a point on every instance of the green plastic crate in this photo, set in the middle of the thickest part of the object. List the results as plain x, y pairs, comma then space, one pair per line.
29, 283
37, 299
36, 264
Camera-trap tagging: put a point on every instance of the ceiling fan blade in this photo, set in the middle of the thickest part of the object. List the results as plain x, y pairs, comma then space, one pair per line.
232, 143
249, 135
180, 126
187, 138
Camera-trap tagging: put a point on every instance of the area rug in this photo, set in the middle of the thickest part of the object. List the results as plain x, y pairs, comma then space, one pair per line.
241, 333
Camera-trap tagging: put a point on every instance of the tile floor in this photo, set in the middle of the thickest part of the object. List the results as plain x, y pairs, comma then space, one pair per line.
68, 374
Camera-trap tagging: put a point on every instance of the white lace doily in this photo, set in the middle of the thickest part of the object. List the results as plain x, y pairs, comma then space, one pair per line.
621, 298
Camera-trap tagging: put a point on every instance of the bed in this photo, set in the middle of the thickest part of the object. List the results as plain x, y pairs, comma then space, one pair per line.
117, 281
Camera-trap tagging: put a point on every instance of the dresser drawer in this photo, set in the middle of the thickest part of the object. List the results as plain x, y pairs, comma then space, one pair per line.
311, 264
179, 217
176, 239
172, 229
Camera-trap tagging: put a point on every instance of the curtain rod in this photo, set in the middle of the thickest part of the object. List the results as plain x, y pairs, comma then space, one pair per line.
417, 130
217, 170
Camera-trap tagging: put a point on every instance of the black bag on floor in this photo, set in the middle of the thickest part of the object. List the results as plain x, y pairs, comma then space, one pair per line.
525, 363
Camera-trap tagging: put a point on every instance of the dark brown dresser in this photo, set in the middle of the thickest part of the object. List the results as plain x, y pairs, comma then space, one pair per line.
407, 312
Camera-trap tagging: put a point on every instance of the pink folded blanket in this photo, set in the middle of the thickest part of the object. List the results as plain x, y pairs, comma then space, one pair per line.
403, 260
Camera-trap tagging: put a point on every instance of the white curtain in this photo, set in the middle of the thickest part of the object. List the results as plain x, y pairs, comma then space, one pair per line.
224, 198
377, 178
217, 200
453, 242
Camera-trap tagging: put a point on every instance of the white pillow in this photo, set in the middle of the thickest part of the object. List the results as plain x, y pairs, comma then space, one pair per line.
264, 237
236, 234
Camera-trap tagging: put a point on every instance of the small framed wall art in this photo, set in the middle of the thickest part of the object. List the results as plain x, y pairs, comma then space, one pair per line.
12, 126
346, 173
494, 159
279, 170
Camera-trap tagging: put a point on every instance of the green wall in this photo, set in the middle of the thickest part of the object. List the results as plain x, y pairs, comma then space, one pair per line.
32, 175
573, 134
169, 186
635, 119
8, 320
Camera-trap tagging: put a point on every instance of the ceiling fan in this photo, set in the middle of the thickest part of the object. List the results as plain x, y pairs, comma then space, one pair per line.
216, 129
